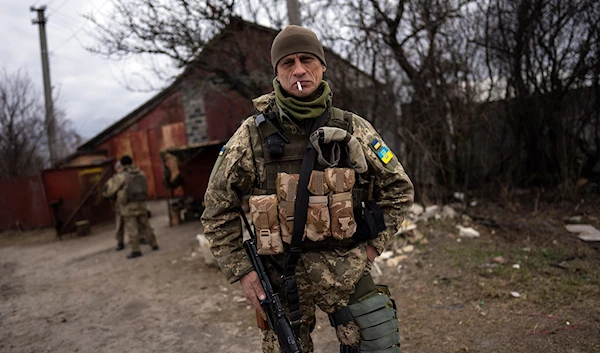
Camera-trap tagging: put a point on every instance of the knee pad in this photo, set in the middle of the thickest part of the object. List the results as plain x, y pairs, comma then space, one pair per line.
376, 317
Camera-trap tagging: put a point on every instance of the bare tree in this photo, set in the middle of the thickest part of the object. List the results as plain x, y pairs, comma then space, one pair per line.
176, 29
435, 62
414, 46
546, 52
384, 38
21, 126
179, 30
23, 141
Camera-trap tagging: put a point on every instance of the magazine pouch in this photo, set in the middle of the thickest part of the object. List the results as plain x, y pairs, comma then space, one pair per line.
317, 184
317, 222
263, 211
339, 179
287, 186
343, 225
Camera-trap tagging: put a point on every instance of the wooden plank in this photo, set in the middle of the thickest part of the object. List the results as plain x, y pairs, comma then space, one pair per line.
122, 146
173, 135
155, 141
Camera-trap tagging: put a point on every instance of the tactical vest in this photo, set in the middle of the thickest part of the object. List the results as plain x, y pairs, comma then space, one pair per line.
278, 151
293, 151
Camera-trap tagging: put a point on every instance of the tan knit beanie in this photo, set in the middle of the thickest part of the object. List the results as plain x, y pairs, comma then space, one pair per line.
295, 39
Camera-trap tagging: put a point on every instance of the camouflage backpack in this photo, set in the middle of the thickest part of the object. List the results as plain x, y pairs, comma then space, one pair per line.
137, 187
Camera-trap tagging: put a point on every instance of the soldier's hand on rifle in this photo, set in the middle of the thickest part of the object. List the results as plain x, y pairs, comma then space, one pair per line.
254, 291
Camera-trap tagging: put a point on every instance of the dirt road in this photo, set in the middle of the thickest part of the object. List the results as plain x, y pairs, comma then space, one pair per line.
79, 295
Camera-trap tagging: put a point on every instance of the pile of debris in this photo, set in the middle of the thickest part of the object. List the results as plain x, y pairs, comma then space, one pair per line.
409, 235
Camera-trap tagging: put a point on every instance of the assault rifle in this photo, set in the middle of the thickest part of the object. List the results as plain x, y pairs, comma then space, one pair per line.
276, 317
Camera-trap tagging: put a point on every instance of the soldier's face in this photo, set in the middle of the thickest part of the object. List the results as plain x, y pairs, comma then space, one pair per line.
304, 68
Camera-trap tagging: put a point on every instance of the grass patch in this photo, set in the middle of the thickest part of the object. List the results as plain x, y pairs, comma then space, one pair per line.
549, 276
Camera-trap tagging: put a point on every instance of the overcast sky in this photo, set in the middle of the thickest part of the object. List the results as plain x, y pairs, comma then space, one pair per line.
91, 87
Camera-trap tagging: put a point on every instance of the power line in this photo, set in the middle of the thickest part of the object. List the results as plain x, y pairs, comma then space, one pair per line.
69, 38
76, 32
64, 17
60, 26
58, 7
38, 1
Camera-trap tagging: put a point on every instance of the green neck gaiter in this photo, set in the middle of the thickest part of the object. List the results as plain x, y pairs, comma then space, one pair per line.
298, 109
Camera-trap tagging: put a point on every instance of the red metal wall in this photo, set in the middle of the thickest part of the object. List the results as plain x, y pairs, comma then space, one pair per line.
227, 109
195, 173
160, 128
225, 112
23, 203
71, 185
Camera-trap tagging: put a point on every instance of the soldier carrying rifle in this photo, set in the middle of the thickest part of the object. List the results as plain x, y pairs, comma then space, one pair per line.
326, 195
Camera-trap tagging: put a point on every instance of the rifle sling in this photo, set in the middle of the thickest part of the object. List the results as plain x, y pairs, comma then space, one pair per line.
300, 216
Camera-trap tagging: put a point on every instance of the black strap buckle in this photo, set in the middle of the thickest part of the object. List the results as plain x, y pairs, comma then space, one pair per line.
275, 145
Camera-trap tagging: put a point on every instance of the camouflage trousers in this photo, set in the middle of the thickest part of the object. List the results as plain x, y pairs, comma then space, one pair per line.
325, 279
145, 232
136, 226
119, 231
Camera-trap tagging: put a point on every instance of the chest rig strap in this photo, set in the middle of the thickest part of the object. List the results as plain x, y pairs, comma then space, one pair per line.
275, 140
300, 216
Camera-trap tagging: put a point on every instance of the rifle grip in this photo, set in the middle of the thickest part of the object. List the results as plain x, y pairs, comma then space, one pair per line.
260, 322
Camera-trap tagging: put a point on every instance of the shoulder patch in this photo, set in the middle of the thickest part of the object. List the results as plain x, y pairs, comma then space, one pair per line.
218, 162
384, 153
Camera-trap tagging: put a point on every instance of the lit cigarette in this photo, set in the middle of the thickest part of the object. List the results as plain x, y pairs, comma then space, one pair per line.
299, 86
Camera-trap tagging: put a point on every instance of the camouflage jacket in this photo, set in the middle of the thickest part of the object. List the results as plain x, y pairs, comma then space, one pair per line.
237, 171
115, 188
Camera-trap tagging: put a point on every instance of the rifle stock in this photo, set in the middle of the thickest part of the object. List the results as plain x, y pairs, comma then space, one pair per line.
276, 317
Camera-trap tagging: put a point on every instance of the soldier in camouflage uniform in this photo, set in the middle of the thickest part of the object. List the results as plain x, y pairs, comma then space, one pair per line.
119, 232
134, 212
331, 273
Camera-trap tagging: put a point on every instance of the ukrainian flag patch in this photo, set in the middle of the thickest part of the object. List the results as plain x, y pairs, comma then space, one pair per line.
382, 151
376, 144
385, 155
223, 149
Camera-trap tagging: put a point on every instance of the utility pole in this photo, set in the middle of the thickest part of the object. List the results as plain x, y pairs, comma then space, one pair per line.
50, 121
293, 9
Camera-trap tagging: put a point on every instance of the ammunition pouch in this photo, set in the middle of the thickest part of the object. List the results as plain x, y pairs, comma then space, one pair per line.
343, 224
318, 219
317, 184
263, 211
